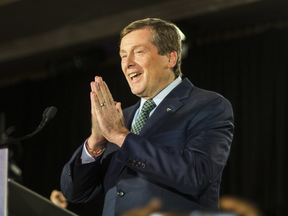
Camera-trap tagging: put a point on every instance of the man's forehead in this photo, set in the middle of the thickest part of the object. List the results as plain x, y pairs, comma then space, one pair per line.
142, 31
135, 40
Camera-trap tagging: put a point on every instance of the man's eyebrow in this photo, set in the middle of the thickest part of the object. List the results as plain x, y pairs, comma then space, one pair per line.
121, 51
134, 47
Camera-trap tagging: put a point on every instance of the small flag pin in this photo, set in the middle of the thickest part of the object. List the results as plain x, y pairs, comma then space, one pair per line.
168, 109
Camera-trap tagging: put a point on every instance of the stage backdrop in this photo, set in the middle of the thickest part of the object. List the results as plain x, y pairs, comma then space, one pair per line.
251, 71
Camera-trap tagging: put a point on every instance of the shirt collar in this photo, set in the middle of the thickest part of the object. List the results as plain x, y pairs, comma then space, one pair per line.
162, 94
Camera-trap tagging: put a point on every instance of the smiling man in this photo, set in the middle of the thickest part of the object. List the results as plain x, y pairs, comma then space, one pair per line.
146, 71
173, 144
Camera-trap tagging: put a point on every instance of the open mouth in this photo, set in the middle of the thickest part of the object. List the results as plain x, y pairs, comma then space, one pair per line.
134, 75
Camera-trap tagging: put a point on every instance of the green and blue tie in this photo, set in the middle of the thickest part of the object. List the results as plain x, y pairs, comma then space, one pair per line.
148, 106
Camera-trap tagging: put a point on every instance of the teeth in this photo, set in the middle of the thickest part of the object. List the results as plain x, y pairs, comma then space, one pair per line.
133, 74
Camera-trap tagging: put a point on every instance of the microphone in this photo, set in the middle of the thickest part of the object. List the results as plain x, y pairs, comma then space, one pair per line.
48, 114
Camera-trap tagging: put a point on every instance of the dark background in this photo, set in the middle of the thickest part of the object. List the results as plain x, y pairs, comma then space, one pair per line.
245, 60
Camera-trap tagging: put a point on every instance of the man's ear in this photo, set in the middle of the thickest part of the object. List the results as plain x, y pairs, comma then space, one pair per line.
172, 59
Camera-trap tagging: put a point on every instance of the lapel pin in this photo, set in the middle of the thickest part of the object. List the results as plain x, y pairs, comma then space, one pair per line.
168, 109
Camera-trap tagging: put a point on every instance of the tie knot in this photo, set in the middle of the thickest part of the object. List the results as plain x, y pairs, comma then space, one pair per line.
148, 106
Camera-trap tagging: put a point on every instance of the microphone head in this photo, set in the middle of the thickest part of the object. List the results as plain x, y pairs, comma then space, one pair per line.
45, 111
51, 112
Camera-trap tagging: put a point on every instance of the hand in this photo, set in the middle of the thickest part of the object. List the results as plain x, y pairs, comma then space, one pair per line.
109, 115
96, 141
57, 198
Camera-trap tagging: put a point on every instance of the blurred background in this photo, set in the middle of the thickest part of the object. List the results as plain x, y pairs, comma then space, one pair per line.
50, 51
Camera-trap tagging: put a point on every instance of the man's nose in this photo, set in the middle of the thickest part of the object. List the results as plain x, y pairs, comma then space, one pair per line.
129, 61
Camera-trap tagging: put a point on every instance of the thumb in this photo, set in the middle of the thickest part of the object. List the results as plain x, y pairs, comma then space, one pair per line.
118, 106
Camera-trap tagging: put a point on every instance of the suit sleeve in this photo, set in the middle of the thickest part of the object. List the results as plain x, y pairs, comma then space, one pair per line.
189, 156
83, 182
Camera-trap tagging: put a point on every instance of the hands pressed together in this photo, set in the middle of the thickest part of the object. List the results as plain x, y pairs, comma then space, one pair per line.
108, 122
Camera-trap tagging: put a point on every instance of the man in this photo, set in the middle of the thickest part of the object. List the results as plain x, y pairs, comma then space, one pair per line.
178, 155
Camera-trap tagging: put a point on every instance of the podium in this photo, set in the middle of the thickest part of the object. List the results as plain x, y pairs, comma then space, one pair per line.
15, 199
3, 181
22, 202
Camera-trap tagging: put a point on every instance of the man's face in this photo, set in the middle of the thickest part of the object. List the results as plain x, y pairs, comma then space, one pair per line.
146, 71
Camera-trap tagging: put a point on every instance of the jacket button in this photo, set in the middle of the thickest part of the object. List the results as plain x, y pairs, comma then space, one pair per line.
133, 162
129, 160
143, 166
138, 164
120, 193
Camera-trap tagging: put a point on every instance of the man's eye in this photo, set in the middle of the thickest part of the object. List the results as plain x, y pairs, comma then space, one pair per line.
124, 56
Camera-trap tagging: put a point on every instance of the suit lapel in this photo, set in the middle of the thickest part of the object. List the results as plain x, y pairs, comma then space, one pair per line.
129, 114
167, 107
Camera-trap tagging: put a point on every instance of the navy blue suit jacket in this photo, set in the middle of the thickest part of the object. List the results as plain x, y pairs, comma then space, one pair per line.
178, 156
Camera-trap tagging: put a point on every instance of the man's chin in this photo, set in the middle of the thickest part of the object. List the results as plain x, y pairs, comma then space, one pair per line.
137, 93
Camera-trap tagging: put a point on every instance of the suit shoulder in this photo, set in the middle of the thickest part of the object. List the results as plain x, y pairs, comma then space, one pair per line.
186, 90
206, 96
196, 91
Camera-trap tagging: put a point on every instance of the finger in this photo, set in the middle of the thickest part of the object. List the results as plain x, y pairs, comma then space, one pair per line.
53, 195
103, 92
58, 198
118, 106
93, 86
96, 109
108, 94
94, 102
93, 97
100, 90
62, 198
97, 97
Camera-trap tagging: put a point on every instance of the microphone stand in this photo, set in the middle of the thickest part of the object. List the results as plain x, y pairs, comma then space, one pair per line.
48, 114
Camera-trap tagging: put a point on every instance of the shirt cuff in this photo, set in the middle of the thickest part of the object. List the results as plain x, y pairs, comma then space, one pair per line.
86, 157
